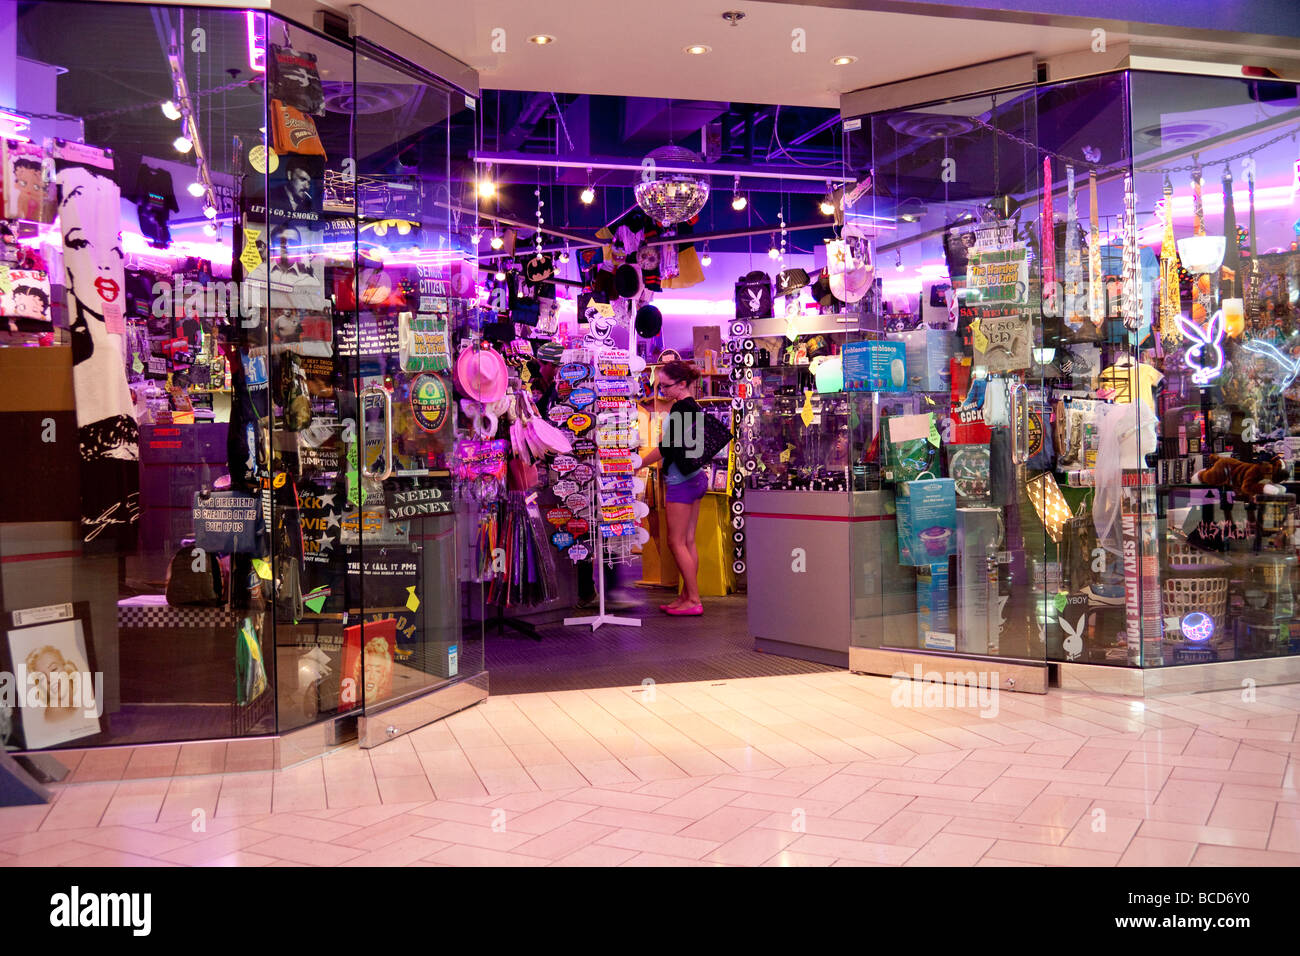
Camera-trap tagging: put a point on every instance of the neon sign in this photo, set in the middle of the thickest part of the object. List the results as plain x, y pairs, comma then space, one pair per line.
256, 42
1204, 354
1289, 367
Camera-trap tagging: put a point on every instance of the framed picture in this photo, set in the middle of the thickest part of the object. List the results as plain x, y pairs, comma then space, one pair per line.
57, 693
718, 480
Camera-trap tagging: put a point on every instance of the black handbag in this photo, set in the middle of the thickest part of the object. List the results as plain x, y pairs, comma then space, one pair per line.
195, 579
754, 296
717, 436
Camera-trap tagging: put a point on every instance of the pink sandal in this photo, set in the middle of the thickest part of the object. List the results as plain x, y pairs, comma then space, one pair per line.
693, 611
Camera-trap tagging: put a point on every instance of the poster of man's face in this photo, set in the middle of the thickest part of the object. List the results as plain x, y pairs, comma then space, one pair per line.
296, 187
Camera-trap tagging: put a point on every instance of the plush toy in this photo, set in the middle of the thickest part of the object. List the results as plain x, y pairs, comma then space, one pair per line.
1243, 477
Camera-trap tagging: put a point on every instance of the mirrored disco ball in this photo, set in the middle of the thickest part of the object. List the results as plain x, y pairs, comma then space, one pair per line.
669, 198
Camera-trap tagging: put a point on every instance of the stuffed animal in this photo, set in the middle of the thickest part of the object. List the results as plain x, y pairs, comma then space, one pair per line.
1244, 478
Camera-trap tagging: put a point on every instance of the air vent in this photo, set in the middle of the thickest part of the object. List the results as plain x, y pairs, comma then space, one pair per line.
1180, 134
333, 25
366, 98
930, 125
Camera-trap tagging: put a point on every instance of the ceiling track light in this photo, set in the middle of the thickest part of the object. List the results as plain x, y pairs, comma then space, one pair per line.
827, 205
772, 251
196, 189
171, 110
588, 195
182, 144
898, 260
541, 39
706, 260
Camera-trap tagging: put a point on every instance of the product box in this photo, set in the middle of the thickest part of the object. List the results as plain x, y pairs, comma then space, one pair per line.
1142, 594
928, 353
927, 520
875, 367
933, 622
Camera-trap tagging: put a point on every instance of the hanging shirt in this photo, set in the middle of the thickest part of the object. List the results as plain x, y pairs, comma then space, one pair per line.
1127, 378
155, 200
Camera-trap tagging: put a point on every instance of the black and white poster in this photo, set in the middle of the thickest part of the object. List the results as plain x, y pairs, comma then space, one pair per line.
416, 497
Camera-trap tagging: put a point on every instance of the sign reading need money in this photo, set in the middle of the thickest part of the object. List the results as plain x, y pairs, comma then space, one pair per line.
418, 496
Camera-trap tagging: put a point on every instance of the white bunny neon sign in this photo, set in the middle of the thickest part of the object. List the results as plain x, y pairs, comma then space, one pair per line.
1205, 349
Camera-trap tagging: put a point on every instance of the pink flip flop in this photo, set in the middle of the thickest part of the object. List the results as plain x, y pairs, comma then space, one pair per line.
693, 611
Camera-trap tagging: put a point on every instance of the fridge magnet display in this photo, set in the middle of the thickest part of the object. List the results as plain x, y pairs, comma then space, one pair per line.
875, 367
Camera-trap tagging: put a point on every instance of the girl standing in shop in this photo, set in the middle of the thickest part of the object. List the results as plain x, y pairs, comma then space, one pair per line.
682, 447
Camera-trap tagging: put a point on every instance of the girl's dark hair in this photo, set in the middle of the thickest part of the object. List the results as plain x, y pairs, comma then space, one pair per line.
680, 371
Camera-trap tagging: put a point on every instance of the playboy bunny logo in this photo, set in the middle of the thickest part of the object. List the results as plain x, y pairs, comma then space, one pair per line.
1073, 643
1205, 348
755, 300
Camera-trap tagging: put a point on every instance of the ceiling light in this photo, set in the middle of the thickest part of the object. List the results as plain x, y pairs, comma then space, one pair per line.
588, 196
898, 260
500, 276
844, 60
476, 238
698, 49
182, 144
772, 251
486, 188
497, 242
541, 39
706, 260
210, 211
564, 254
196, 189
171, 110
909, 217
827, 206
209, 229
739, 202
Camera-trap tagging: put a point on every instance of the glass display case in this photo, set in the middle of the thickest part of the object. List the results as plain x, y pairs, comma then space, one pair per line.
255, 534
1111, 264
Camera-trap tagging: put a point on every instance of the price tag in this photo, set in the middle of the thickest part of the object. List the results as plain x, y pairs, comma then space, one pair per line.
935, 440
978, 338
806, 413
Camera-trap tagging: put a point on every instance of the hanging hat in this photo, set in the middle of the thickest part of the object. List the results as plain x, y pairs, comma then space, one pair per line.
848, 260
482, 374
649, 321
790, 281
627, 281
821, 289
552, 352
602, 283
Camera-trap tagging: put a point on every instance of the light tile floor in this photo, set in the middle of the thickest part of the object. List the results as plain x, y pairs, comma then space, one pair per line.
804, 770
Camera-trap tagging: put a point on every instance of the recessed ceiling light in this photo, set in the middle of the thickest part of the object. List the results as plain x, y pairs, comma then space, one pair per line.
541, 39
698, 49
844, 60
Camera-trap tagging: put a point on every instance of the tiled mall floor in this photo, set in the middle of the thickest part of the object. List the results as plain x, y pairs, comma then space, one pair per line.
810, 769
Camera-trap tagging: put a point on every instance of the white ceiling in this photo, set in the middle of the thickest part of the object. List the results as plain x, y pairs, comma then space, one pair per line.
626, 48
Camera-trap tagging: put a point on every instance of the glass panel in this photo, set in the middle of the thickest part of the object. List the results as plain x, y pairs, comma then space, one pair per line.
1090, 362
302, 225
415, 214
130, 514
949, 362
1226, 314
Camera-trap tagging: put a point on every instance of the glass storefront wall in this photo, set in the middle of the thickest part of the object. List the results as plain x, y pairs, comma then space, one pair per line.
235, 254
1091, 451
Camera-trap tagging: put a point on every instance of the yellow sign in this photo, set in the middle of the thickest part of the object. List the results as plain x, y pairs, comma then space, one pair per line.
263, 159
412, 602
250, 257
263, 568
978, 338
